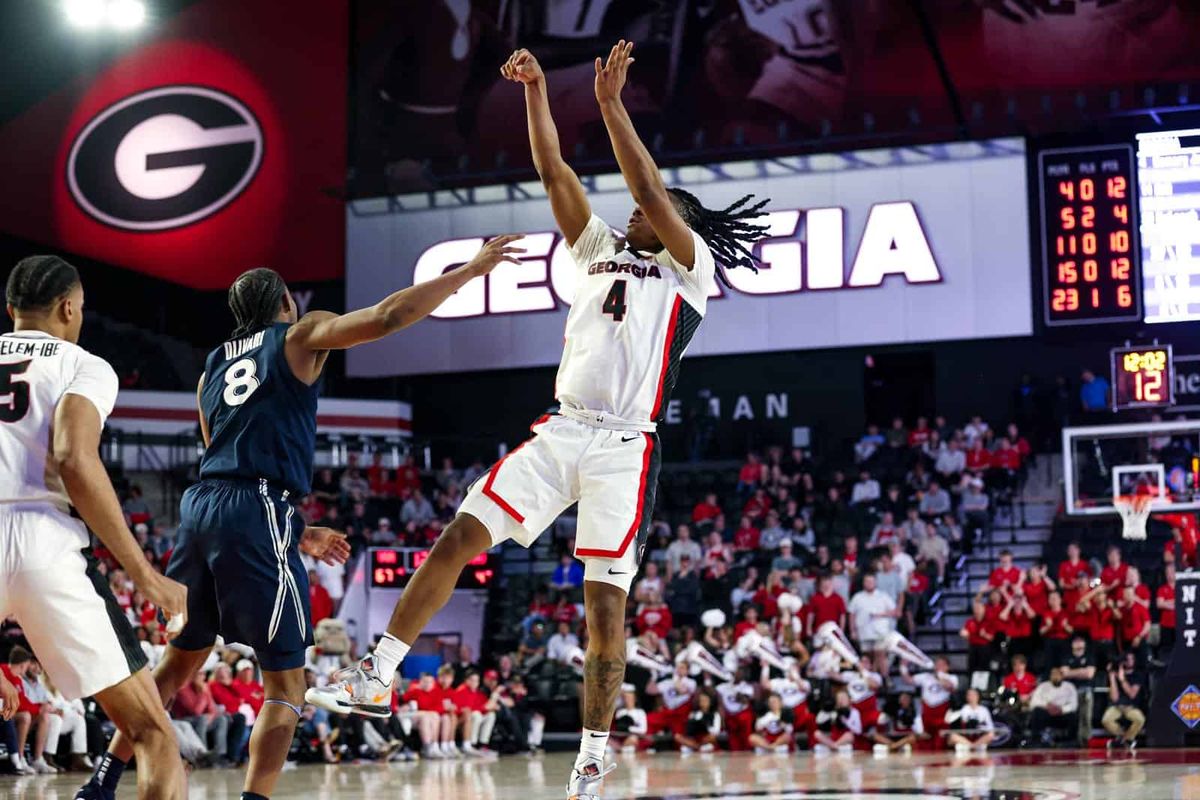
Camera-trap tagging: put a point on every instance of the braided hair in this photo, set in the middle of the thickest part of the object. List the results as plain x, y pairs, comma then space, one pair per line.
727, 231
255, 299
38, 281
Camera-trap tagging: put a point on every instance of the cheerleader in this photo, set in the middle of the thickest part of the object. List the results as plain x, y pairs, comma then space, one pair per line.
737, 699
629, 723
837, 725
702, 727
971, 727
772, 731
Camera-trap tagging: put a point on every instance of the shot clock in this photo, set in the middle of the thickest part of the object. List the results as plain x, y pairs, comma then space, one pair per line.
1142, 377
1089, 225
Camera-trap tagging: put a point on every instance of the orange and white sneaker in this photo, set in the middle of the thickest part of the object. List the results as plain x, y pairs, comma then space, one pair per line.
586, 779
359, 689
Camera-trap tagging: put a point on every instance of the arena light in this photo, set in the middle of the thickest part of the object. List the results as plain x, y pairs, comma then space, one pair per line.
126, 14
84, 13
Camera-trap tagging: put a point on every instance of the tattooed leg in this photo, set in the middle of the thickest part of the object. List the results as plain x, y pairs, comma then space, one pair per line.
603, 669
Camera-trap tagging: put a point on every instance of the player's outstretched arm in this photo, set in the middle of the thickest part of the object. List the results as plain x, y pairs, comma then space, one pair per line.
319, 331
567, 198
77, 429
637, 166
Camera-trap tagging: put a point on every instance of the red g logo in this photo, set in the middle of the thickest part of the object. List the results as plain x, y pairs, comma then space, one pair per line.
164, 158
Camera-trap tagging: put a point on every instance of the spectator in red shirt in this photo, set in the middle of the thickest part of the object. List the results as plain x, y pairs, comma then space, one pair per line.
750, 475
1164, 601
222, 689
1005, 577
1102, 625
706, 510
979, 460
19, 662
1183, 542
1056, 630
478, 712
1135, 625
1005, 456
767, 596
746, 537
249, 690
1018, 617
749, 622
312, 509
824, 606
434, 726
655, 616
319, 601
1020, 681
920, 434
1019, 442
980, 634
1113, 575
1070, 570
850, 555
758, 505
195, 705
1037, 587
408, 478
1133, 580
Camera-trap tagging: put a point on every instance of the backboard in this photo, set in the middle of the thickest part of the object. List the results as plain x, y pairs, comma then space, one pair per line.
1101, 462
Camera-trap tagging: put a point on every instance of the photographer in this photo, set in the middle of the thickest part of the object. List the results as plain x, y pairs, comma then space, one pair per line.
1126, 694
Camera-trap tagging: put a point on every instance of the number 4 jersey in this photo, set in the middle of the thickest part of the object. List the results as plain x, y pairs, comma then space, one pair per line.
261, 417
36, 372
630, 323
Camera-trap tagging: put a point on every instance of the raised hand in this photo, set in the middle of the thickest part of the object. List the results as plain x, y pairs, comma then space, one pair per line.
610, 76
325, 544
522, 67
494, 252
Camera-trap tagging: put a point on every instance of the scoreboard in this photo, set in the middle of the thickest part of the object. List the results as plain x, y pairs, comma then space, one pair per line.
393, 567
1142, 377
1089, 225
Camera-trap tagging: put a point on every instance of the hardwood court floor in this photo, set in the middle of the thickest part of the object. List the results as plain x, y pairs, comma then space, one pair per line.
1013, 775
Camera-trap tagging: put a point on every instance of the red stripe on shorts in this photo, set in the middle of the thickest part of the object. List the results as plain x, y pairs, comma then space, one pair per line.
637, 518
491, 493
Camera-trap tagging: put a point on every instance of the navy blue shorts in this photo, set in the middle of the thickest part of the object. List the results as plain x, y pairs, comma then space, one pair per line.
238, 553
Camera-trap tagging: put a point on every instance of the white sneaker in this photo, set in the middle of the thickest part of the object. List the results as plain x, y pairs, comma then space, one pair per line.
19, 764
451, 750
782, 750
359, 689
42, 768
586, 779
468, 749
880, 750
906, 749
707, 748
685, 751
628, 750
962, 749
760, 751
845, 750
821, 750
433, 752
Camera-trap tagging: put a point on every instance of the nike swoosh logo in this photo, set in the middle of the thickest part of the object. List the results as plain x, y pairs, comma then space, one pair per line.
610, 572
597, 735
630, 439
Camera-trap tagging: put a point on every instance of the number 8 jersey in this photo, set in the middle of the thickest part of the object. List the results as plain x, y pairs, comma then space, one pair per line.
632, 318
261, 417
36, 372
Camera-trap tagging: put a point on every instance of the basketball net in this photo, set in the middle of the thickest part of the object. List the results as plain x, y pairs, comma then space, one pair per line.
1134, 511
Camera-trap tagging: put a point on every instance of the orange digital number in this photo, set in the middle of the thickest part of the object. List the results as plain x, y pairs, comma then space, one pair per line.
1065, 300
1091, 270
1067, 273
1067, 215
1087, 189
1088, 216
1066, 189
1116, 187
1120, 268
1118, 241
1124, 296
1089, 244
1148, 386
1121, 212
1095, 298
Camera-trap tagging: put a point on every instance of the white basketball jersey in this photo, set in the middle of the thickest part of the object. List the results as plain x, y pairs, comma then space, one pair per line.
933, 693
790, 692
630, 324
36, 371
676, 693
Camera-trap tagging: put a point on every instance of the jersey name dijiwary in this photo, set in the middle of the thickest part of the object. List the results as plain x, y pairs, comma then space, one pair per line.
40, 349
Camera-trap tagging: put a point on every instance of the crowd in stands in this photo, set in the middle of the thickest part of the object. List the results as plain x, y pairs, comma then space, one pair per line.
729, 636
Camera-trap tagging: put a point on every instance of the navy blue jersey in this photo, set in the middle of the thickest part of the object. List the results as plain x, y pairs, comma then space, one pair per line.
261, 417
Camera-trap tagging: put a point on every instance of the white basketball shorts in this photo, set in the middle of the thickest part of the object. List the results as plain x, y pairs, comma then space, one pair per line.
76, 628
613, 475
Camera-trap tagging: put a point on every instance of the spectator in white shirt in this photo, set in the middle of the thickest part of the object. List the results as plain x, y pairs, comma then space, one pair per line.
651, 585
933, 548
866, 490
972, 725
1054, 704
873, 613
683, 544
975, 429
902, 562
562, 643
951, 462
629, 723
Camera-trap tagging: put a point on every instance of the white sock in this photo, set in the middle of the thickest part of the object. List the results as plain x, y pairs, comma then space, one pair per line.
389, 653
592, 746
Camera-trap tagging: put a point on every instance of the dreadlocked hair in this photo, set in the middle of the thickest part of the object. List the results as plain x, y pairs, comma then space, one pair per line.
727, 232
255, 299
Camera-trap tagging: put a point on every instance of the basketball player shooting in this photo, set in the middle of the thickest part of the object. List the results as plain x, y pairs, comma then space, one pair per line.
239, 543
638, 303
54, 399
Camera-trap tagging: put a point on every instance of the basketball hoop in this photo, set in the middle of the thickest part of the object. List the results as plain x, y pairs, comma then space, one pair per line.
1134, 511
